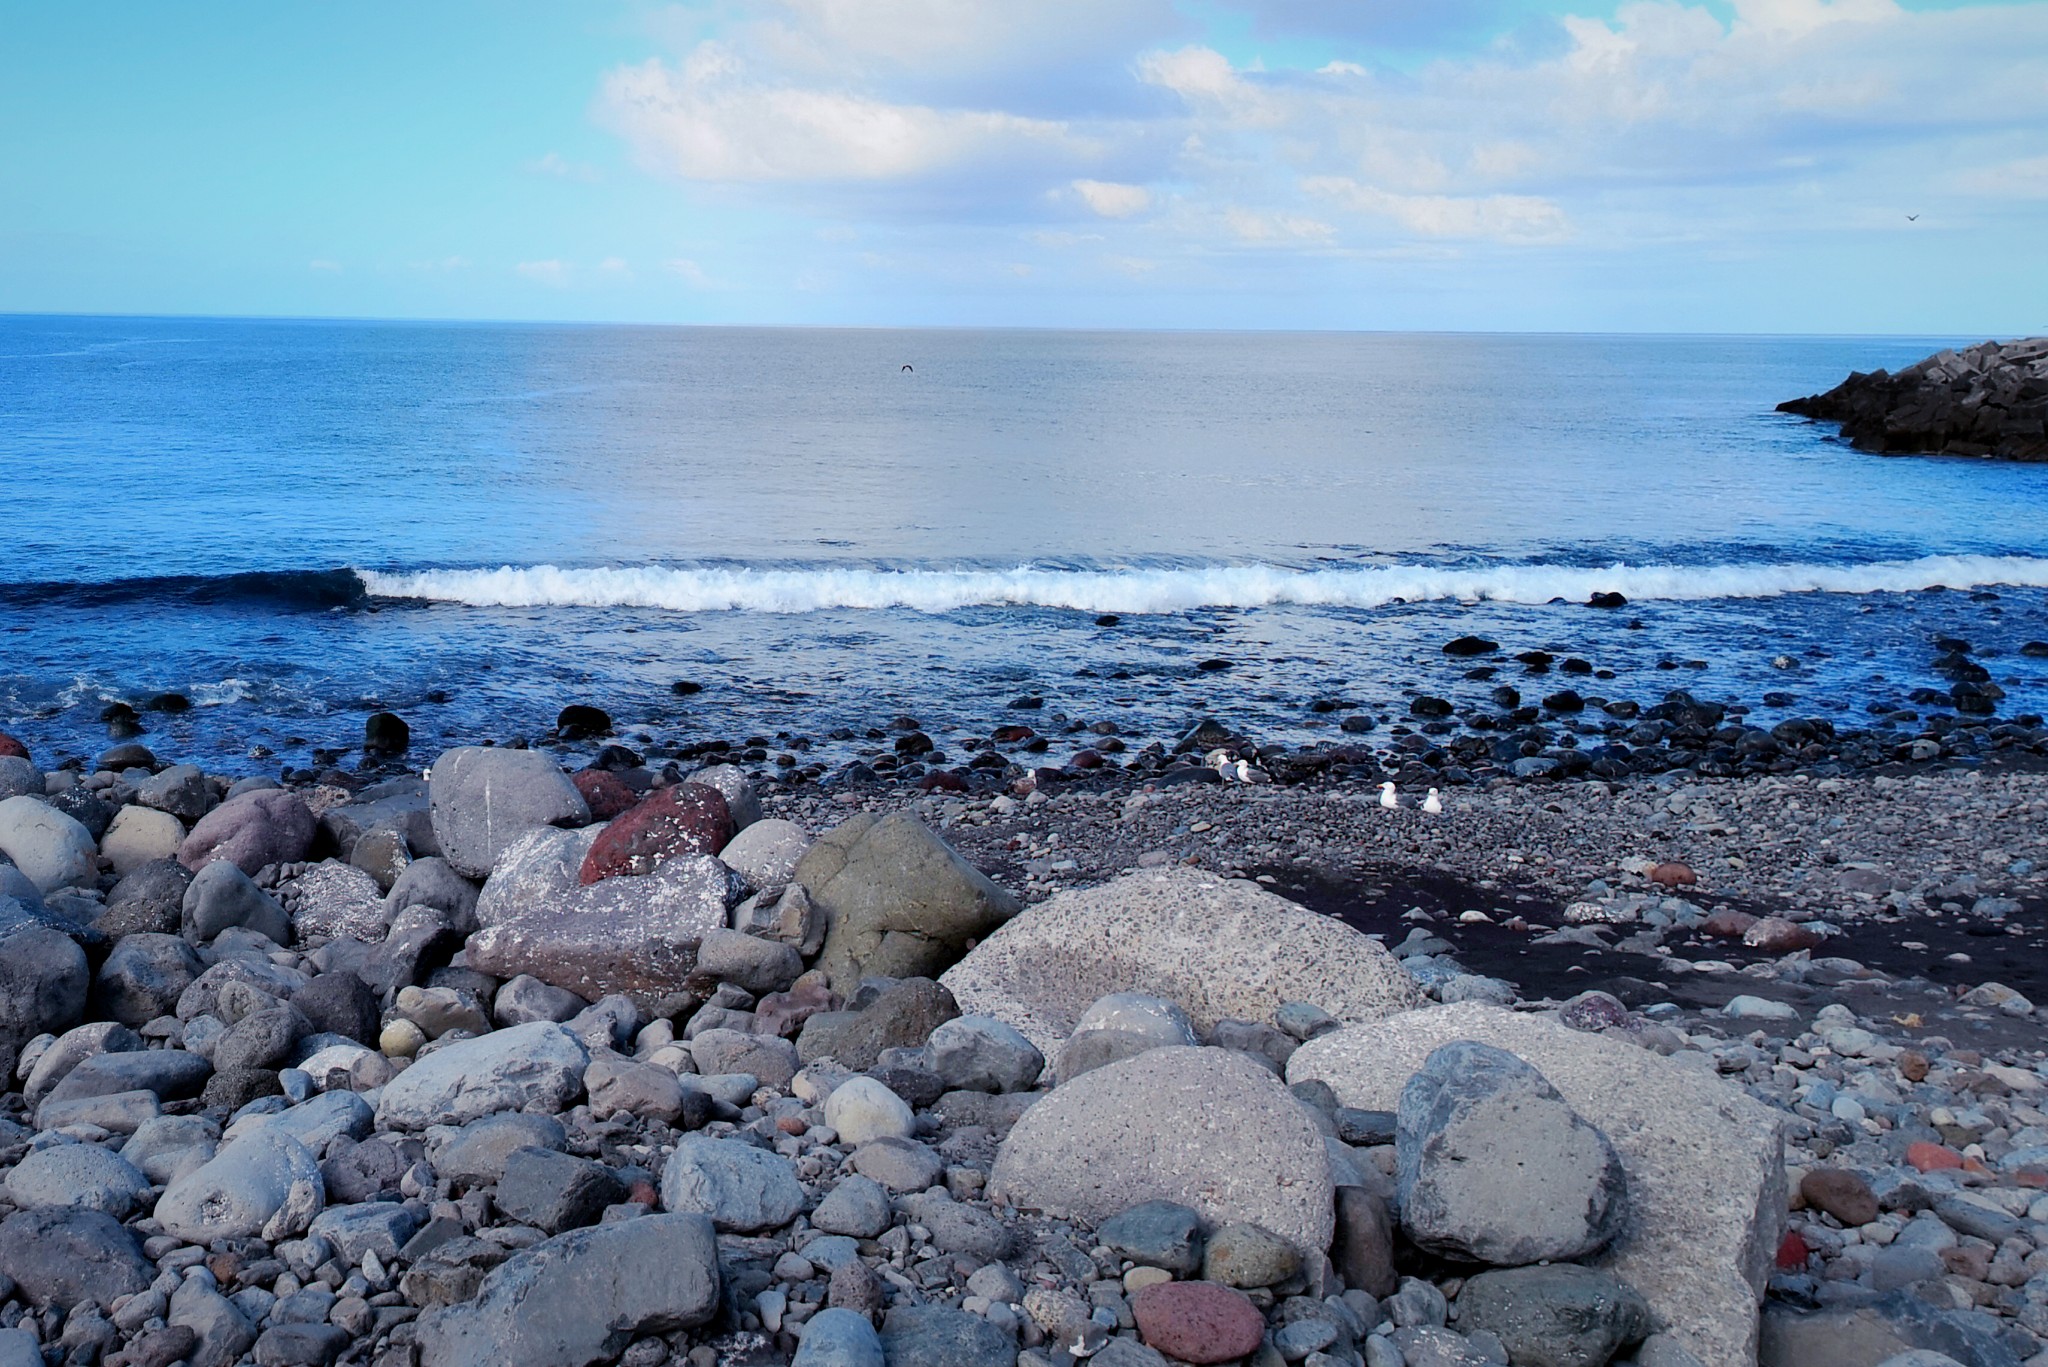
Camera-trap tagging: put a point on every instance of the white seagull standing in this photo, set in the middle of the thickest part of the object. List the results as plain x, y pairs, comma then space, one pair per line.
1432, 803
1387, 798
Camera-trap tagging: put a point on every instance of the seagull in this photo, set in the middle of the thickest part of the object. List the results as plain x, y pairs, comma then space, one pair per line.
1432, 803
1247, 774
1220, 760
1387, 798
906, 367
1912, 218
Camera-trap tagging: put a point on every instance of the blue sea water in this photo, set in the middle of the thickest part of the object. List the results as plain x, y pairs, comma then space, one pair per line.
296, 523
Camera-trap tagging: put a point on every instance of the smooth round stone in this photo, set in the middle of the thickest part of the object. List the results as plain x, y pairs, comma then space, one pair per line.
1199, 1322
857, 1206
839, 1338
82, 1176
901, 1165
1840, 1193
862, 1109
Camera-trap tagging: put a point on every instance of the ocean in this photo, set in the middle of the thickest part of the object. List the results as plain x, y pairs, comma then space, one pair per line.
295, 523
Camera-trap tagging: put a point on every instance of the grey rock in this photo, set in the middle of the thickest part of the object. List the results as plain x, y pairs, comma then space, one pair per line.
1559, 1316
1495, 1167
536, 1067
1245, 1255
636, 935
171, 1074
759, 965
19, 1348
266, 1185
732, 783
839, 1338
137, 837
433, 882
61, 1256
181, 790
370, 1170
901, 903
54, 850
167, 1145
222, 896
765, 853
143, 977
786, 914
261, 1039
224, 1332
902, 1016
19, 778
1088, 1050
1860, 1335
222, 990
1363, 1250
1157, 1234
230, 1089
958, 1227
72, 1048
251, 830
1202, 1127
581, 1297
477, 1156
43, 986
555, 1191
485, 800
1220, 950
743, 1189
647, 1090
983, 1054
316, 1123
149, 897
1705, 1163
773, 1061
1122, 1352
526, 998
78, 1176
339, 1004
300, 1345
856, 1206
379, 1227
900, 1165
939, 1336
333, 900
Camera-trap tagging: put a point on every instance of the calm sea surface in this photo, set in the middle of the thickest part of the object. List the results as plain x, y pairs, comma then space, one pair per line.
294, 523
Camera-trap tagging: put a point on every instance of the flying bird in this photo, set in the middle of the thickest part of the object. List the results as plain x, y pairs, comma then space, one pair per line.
1387, 798
906, 367
1432, 803
1912, 218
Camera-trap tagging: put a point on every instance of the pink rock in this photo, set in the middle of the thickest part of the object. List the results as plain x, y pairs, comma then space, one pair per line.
1776, 935
605, 791
1727, 925
270, 826
783, 1013
9, 746
690, 818
1673, 875
1198, 1321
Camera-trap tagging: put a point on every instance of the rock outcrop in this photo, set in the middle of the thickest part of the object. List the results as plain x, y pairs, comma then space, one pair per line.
1990, 400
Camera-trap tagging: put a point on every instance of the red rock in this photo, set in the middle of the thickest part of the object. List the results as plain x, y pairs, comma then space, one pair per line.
1840, 1193
690, 818
1673, 875
1198, 1322
1913, 1065
1792, 1252
605, 791
1010, 735
1086, 759
270, 826
1930, 1157
2035, 1179
1776, 935
9, 746
1727, 924
942, 781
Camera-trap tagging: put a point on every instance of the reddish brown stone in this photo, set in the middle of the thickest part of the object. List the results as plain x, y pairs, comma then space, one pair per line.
605, 791
1198, 1322
1840, 1193
690, 818
9, 746
1913, 1065
783, 1013
1792, 1251
1926, 1156
1776, 935
1086, 759
942, 781
1727, 924
1673, 875
1010, 735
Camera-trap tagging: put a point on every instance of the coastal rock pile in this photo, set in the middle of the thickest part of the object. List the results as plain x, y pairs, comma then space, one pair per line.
1990, 400
612, 1098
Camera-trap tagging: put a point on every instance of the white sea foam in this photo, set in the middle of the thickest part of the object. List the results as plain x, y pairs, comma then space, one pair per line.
1179, 589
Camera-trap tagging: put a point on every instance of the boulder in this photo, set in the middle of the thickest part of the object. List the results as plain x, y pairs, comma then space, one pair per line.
485, 800
1495, 1167
741, 1188
149, 897
766, 853
62, 1256
477, 1155
533, 1067
169, 1074
637, 936
48, 846
72, 1048
1704, 1164
1559, 1316
222, 896
19, 778
686, 819
139, 836
78, 1176
433, 882
1206, 1128
180, 791
902, 1016
143, 977
581, 1297
983, 1054
1220, 950
44, 981
333, 900
839, 1338
759, 965
265, 1185
732, 783
268, 826
901, 903
861, 1109
1873, 1333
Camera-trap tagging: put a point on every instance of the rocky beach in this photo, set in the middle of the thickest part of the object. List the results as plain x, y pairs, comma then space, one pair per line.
1665, 1040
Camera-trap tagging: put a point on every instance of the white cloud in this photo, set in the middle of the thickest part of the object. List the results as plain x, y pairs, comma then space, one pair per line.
1112, 200
1264, 229
555, 164
2024, 178
550, 272
687, 270
1506, 218
323, 265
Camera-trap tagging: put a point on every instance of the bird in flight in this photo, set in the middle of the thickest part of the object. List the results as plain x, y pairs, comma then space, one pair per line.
1910, 218
906, 367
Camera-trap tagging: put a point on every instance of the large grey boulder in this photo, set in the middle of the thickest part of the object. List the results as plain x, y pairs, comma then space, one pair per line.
251, 830
1874, 1333
266, 1185
1206, 1128
983, 1054
169, 1074
62, 1256
149, 898
50, 847
901, 903
180, 791
225, 1334
476, 1155
635, 935
72, 1048
1222, 950
741, 1188
742, 803
333, 901
44, 980
433, 882
485, 800
1558, 1316
533, 1067
19, 778
221, 896
766, 853
80, 1176
1495, 1167
581, 1297
143, 977
1705, 1164
839, 1338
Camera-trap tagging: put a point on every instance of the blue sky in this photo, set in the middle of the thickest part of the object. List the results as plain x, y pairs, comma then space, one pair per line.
1724, 165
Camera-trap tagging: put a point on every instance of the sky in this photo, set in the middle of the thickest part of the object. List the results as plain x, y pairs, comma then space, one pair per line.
1803, 166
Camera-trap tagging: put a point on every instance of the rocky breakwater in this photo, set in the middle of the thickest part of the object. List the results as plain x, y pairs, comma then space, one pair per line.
431, 1074
1990, 400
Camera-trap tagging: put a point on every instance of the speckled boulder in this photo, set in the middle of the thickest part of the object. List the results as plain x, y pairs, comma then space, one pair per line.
688, 818
268, 826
